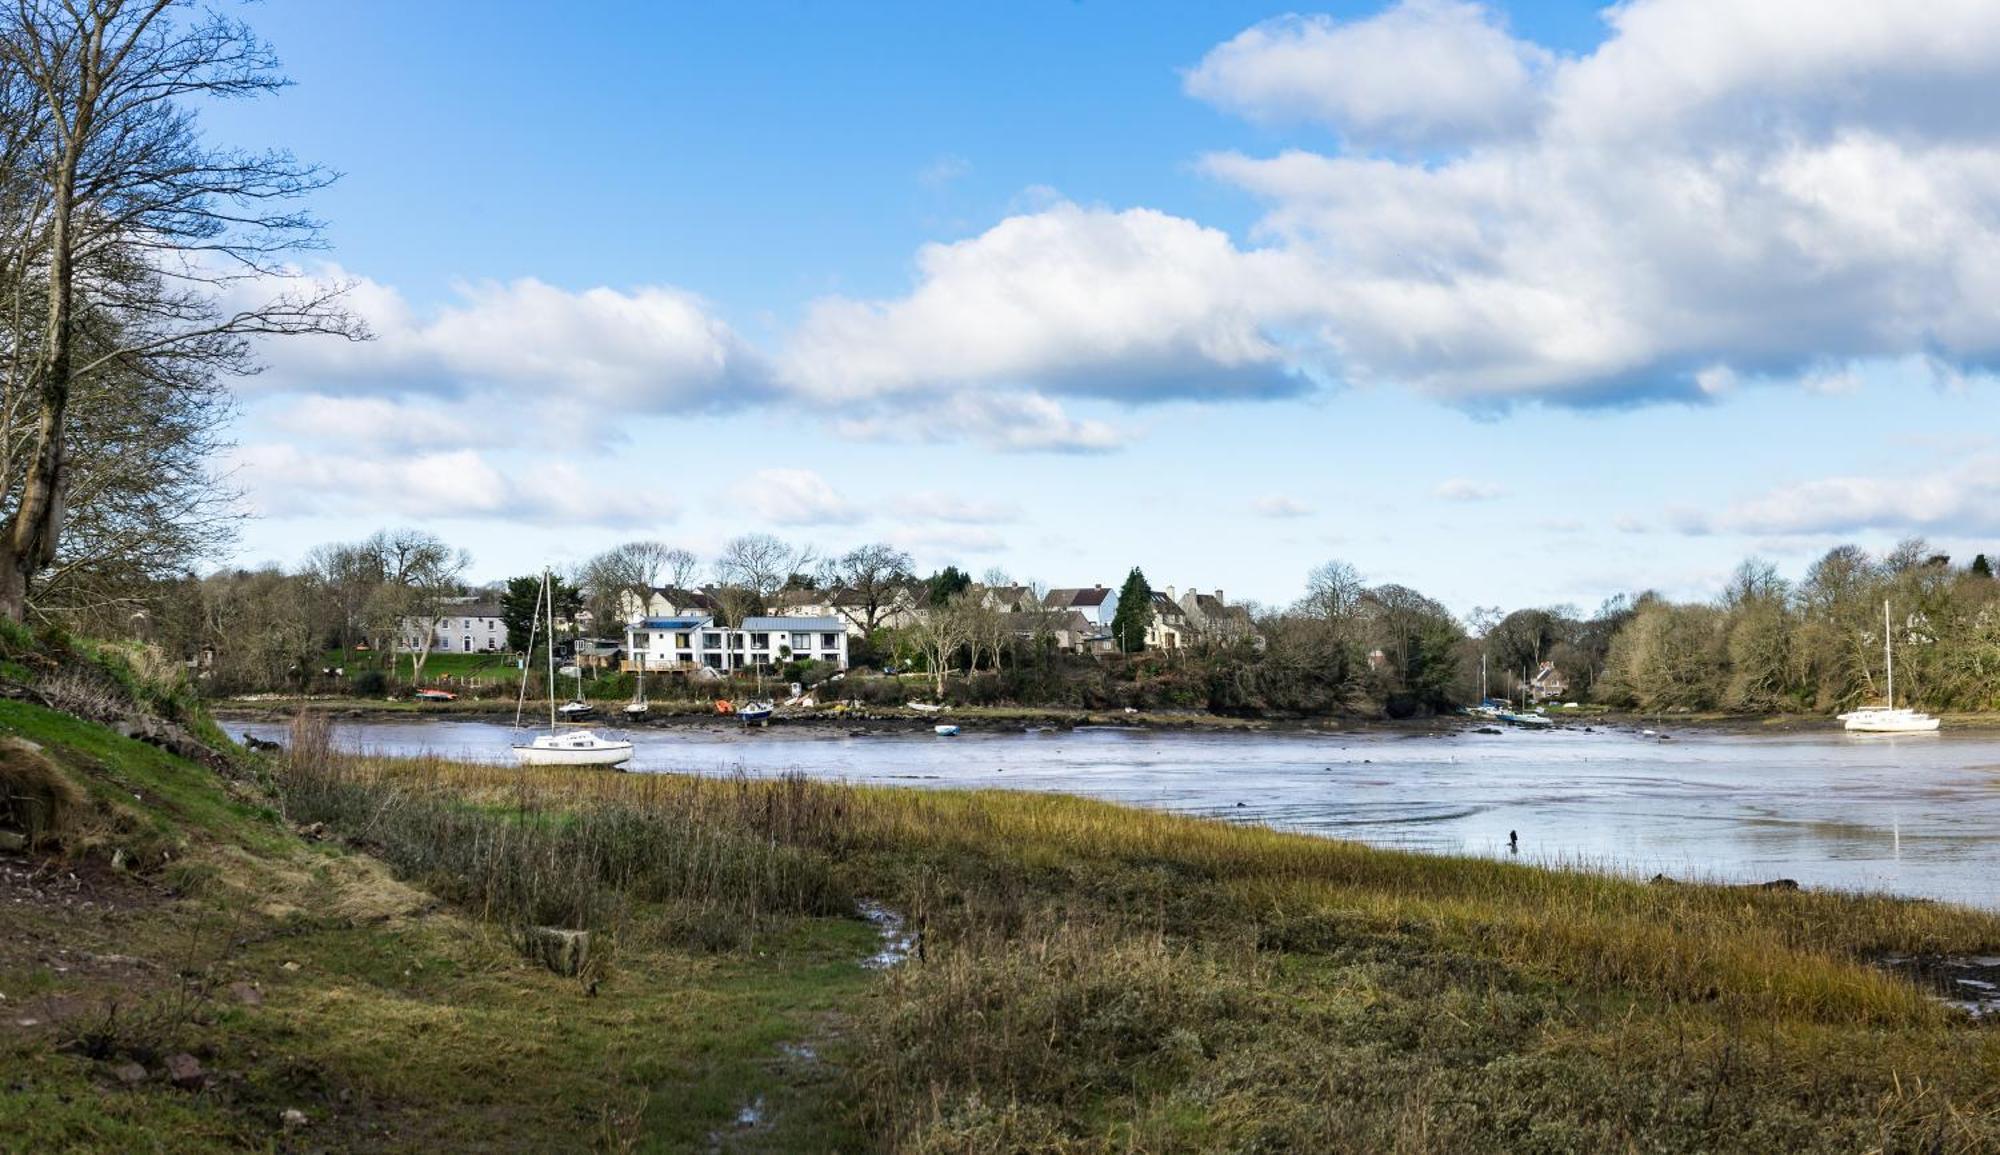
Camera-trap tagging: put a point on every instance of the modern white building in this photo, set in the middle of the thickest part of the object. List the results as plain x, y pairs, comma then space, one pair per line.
686, 643
464, 628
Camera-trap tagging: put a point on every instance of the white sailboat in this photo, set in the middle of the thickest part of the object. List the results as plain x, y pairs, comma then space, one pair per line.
1888, 718
555, 748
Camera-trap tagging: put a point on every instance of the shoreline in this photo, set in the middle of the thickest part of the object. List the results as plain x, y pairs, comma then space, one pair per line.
990, 718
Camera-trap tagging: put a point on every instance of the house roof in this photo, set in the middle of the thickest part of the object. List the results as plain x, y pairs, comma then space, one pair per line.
779, 625
674, 623
474, 610
1094, 596
679, 597
788, 598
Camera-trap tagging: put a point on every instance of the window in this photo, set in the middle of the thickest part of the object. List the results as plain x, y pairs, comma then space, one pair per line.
684, 641
466, 623
760, 641
711, 641
801, 642
829, 641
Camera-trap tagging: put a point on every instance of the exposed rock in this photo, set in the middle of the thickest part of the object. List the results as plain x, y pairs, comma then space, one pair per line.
247, 994
565, 952
293, 1119
129, 1073
184, 1071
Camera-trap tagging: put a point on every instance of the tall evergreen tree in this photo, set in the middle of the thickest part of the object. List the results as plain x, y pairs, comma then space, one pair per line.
1981, 567
942, 586
1135, 613
519, 607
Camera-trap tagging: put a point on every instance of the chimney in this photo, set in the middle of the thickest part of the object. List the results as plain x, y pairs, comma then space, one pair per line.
1171, 595
1100, 585
1220, 598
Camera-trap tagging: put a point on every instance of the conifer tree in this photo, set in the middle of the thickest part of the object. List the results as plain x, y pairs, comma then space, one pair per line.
1134, 614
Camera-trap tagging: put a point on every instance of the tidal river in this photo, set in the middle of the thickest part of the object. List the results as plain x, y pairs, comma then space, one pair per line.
1914, 815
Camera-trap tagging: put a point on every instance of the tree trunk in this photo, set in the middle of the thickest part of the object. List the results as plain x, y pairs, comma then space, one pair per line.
31, 541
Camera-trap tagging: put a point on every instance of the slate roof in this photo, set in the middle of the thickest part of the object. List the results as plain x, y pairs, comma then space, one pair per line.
801, 625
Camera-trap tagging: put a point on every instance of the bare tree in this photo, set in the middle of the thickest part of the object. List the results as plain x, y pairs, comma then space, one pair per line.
419, 571
127, 232
753, 567
939, 633
876, 575
634, 570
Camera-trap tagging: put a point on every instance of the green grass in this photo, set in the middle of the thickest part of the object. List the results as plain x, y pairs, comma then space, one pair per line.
151, 800
1091, 978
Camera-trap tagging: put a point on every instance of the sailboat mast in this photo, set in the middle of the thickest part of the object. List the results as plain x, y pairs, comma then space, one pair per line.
1888, 654
549, 599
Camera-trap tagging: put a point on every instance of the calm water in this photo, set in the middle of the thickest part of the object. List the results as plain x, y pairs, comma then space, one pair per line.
1915, 815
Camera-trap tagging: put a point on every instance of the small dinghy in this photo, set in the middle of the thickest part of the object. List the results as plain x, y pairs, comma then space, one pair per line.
946, 731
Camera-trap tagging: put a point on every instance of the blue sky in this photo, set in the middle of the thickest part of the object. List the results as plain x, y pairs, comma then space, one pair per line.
1513, 304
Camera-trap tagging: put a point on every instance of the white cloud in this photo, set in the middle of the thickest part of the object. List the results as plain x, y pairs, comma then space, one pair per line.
1462, 489
1133, 306
646, 350
943, 170
794, 497
1009, 422
1721, 192
1960, 498
1278, 505
947, 542
943, 507
1421, 71
376, 424
285, 480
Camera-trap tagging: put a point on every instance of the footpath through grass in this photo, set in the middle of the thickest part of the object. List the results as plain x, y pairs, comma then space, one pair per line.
1086, 978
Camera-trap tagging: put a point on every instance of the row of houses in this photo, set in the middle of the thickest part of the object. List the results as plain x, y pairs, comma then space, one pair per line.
1079, 618
671, 628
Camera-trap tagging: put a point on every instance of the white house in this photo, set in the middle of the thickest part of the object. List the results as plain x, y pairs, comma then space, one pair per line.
462, 628
685, 643
666, 602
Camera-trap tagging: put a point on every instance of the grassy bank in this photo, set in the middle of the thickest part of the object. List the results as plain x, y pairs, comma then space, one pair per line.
1087, 977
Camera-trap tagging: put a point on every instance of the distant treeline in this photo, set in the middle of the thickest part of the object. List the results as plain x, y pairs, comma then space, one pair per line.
1344, 647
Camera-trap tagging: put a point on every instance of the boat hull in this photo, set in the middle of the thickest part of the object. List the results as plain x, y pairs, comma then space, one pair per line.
563, 752
1924, 726
1901, 721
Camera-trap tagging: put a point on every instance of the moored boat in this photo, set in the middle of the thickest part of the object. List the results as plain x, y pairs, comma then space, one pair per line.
1888, 718
557, 747
946, 731
576, 748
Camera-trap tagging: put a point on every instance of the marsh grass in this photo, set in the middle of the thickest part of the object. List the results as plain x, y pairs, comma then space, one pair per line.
536, 851
1093, 977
